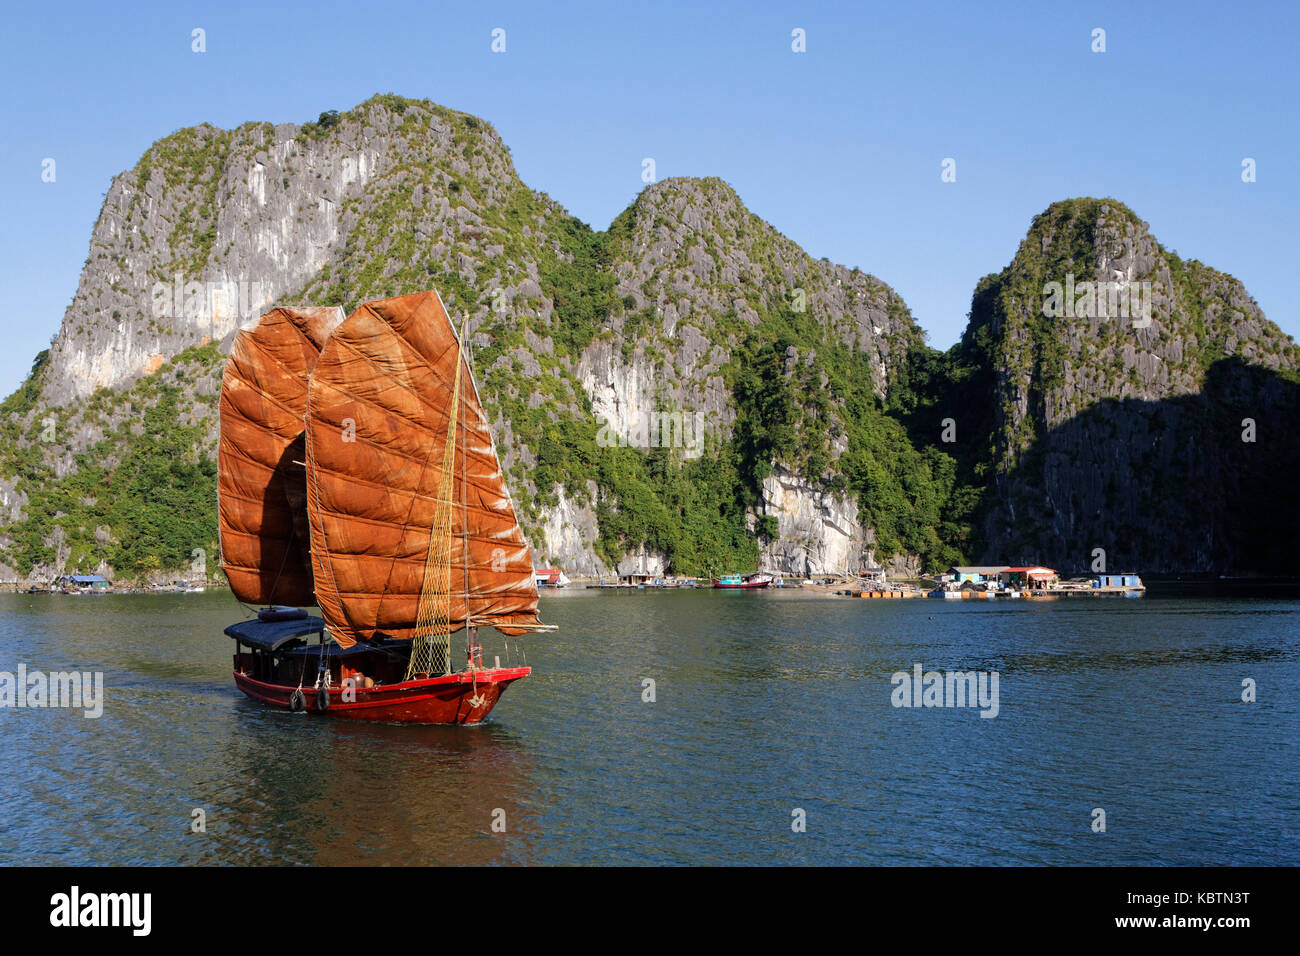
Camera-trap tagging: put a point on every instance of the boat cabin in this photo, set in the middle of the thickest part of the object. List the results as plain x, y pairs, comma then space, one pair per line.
276, 648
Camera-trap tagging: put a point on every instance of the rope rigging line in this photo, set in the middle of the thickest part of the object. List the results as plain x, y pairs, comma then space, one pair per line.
431, 642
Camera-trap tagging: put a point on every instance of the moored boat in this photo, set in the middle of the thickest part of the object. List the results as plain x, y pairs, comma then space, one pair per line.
736, 581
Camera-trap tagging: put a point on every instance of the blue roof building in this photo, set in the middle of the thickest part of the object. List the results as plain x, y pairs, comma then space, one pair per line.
92, 582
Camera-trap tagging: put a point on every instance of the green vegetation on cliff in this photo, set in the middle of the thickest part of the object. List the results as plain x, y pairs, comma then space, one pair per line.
1033, 398
800, 393
841, 391
191, 163
142, 497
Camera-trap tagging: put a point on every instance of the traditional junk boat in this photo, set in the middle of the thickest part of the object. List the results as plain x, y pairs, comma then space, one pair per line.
357, 473
748, 581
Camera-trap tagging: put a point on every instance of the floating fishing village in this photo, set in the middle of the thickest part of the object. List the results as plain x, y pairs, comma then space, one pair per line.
957, 583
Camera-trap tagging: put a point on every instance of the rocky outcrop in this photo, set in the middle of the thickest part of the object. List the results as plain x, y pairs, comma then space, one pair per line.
568, 536
649, 401
696, 269
204, 234
795, 395
642, 561
213, 226
817, 532
1121, 435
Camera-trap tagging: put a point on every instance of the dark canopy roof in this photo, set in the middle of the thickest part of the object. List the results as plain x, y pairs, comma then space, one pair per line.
273, 635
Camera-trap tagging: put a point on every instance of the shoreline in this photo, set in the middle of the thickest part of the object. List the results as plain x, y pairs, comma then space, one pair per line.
1199, 585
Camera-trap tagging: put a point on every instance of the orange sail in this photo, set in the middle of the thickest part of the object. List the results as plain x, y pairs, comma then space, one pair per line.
379, 412
261, 485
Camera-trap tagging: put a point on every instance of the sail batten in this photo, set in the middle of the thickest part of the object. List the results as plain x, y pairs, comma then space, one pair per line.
378, 420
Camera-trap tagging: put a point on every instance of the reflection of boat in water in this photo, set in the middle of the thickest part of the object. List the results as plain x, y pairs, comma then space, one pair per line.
298, 805
745, 582
357, 472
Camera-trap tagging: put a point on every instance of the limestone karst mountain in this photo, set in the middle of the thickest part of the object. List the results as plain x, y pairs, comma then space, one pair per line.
1110, 396
686, 390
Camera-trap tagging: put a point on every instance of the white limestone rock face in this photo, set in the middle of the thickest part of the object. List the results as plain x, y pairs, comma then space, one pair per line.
175, 262
818, 533
212, 227
568, 537
643, 562
621, 393
675, 400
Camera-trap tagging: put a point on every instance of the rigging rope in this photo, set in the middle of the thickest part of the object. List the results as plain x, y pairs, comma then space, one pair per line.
431, 642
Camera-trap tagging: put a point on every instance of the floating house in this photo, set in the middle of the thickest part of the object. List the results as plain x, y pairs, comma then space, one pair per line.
1028, 578
639, 579
550, 578
84, 582
976, 574
1117, 581
642, 569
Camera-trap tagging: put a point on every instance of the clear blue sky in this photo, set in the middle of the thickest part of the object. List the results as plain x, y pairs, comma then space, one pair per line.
839, 147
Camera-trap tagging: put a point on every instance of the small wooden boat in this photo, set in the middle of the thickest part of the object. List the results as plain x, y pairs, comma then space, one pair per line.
276, 664
357, 472
736, 581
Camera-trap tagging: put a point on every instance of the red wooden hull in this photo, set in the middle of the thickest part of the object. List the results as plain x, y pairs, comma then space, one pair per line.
464, 698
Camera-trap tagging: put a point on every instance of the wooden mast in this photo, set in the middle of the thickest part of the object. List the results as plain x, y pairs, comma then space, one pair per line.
471, 630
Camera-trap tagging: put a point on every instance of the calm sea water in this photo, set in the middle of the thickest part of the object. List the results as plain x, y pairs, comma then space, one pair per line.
765, 702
